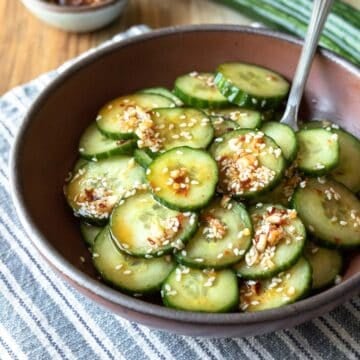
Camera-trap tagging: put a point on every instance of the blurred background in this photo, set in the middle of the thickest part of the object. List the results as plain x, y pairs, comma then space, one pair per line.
29, 47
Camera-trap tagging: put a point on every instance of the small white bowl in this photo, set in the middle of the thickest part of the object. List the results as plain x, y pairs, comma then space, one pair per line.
76, 18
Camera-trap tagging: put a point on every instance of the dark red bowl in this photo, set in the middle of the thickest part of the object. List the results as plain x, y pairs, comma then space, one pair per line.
46, 148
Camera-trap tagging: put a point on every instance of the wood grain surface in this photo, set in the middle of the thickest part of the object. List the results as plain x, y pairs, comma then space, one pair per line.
29, 47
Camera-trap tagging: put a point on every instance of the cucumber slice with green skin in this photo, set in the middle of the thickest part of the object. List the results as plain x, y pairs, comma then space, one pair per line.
120, 118
89, 232
245, 118
183, 178
222, 126
277, 244
318, 151
251, 86
163, 92
141, 226
142, 158
96, 187
201, 290
284, 136
249, 162
94, 145
182, 127
222, 238
326, 265
199, 90
330, 212
281, 290
127, 273
345, 172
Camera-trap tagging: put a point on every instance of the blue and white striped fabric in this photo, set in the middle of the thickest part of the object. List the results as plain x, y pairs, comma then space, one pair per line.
43, 318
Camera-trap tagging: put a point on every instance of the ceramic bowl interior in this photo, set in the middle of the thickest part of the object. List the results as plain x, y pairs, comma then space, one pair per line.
46, 147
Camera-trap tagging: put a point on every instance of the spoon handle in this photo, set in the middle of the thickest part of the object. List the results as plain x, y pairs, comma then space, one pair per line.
321, 9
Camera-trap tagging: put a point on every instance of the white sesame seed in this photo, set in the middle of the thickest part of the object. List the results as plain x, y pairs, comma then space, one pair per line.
127, 272
82, 259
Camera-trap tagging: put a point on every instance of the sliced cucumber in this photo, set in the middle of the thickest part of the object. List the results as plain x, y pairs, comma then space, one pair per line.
326, 265
199, 90
142, 158
222, 126
130, 274
120, 118
249, 162
284, 136
176, 127
96, 187
250, 85
201, 290
183, 178
278, 291
222, 239
318, 151
245, 118
89, 232
345, 172
94, 145
330, 212
163, 92
141, 226
277, 244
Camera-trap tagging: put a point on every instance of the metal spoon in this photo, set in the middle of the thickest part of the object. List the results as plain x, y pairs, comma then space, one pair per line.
321, 9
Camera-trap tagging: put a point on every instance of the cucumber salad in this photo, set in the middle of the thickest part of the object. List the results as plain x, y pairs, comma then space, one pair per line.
198, 198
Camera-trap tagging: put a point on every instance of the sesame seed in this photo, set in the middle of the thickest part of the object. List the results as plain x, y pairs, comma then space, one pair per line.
338, 279
200, 260
118, 267
82, 259
95, 255
343, 223
255, 302
127, 272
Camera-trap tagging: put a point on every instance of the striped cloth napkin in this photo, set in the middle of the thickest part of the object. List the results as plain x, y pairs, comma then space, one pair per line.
41, 317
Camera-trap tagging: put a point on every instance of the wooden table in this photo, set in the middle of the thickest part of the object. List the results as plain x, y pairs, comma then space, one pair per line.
28, 47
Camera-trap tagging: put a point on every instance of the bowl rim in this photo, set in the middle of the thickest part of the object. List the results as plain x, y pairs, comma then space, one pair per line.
72, 9
343, 290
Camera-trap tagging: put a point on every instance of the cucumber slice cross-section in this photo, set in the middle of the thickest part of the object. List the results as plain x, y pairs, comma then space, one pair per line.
130, 274
141, 226
284, 136
329, 211
199, 90
250, 85
94, 145
204, 290
318, 151
121, 117
96, 187
278, 242
283, 289
222, 239
183, 178
249, 162
326, 265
